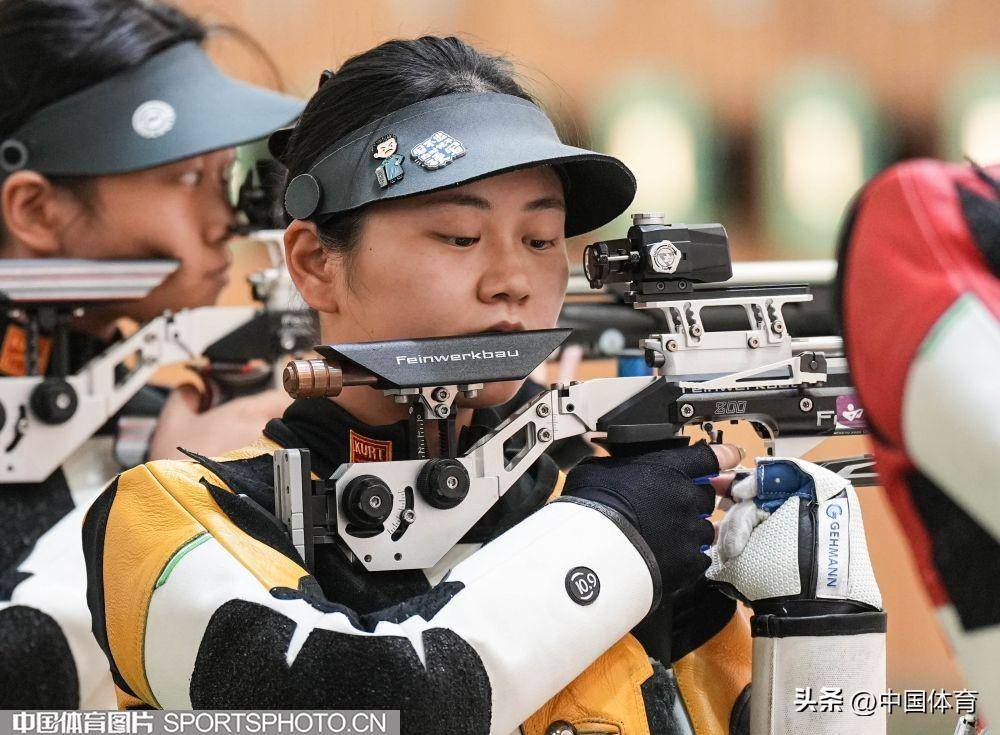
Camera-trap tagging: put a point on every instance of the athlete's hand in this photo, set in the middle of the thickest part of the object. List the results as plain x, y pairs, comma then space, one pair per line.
795, 542
656, 494
215, 431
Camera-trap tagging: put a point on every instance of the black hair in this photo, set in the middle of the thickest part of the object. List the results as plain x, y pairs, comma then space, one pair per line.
51, 49
379, 81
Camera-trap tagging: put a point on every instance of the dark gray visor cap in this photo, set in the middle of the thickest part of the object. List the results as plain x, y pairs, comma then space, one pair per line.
452, 140
175, 105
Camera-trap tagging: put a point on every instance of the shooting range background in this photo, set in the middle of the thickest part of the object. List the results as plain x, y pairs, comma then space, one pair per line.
764, 115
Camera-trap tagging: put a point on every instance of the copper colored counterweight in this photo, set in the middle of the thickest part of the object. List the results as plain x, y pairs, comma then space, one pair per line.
312, 379
319, 379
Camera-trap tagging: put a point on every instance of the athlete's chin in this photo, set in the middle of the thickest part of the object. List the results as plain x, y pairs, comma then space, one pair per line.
175, 298
491, 394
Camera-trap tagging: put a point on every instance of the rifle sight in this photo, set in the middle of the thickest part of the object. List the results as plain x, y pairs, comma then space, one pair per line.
659, 258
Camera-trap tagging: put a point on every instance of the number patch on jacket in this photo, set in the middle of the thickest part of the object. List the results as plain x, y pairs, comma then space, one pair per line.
582, 585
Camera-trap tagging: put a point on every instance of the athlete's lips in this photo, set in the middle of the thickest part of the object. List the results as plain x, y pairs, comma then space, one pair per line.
505, 327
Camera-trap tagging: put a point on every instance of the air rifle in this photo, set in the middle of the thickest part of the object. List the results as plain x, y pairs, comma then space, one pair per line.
407, 514
47, 413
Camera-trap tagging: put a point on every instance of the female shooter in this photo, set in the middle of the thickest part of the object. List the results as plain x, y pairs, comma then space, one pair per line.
429, 197
116, 136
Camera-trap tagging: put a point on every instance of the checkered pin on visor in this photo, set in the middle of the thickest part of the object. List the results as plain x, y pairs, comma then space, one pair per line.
437, 151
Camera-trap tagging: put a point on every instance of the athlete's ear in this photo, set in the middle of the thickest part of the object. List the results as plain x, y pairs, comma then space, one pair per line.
318, 276
34, 213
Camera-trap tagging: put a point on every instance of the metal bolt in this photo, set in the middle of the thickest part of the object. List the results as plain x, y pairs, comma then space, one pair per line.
62, 401
560, 728
696, 331
672, 345
779, 327
687, 410
407, 516
375, 502
543, 410
440, 394
442, 411
753, 343
451, 482
544, 435
806, 404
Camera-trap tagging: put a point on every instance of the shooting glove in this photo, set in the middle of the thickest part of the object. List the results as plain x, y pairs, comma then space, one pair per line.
793, 547
655, 493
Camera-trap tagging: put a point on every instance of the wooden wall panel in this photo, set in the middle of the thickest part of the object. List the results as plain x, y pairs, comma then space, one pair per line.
731, 50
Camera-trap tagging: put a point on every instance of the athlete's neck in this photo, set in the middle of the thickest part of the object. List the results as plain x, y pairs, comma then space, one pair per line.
371, 407
98, 322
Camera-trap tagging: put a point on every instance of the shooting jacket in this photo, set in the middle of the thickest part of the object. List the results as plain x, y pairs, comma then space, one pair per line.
199, 600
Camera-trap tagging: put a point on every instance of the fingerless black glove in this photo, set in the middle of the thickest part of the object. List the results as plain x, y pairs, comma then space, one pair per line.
655, 493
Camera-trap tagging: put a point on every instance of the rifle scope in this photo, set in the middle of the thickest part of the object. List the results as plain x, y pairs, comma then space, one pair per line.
657, 258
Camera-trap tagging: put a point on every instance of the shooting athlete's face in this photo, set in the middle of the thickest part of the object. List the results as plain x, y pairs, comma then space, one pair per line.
178, 211
487, 256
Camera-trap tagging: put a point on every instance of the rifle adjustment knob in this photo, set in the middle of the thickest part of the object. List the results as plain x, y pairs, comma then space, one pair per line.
53, 401
443, 482
367, 501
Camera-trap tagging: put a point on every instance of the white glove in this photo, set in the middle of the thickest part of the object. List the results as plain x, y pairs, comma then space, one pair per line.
795, 532
793, 547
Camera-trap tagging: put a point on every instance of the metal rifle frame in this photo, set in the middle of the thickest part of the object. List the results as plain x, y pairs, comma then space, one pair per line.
790, 390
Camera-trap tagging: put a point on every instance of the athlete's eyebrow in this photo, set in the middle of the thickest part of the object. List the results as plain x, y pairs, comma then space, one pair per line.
464, 200
469, 200
545, 203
